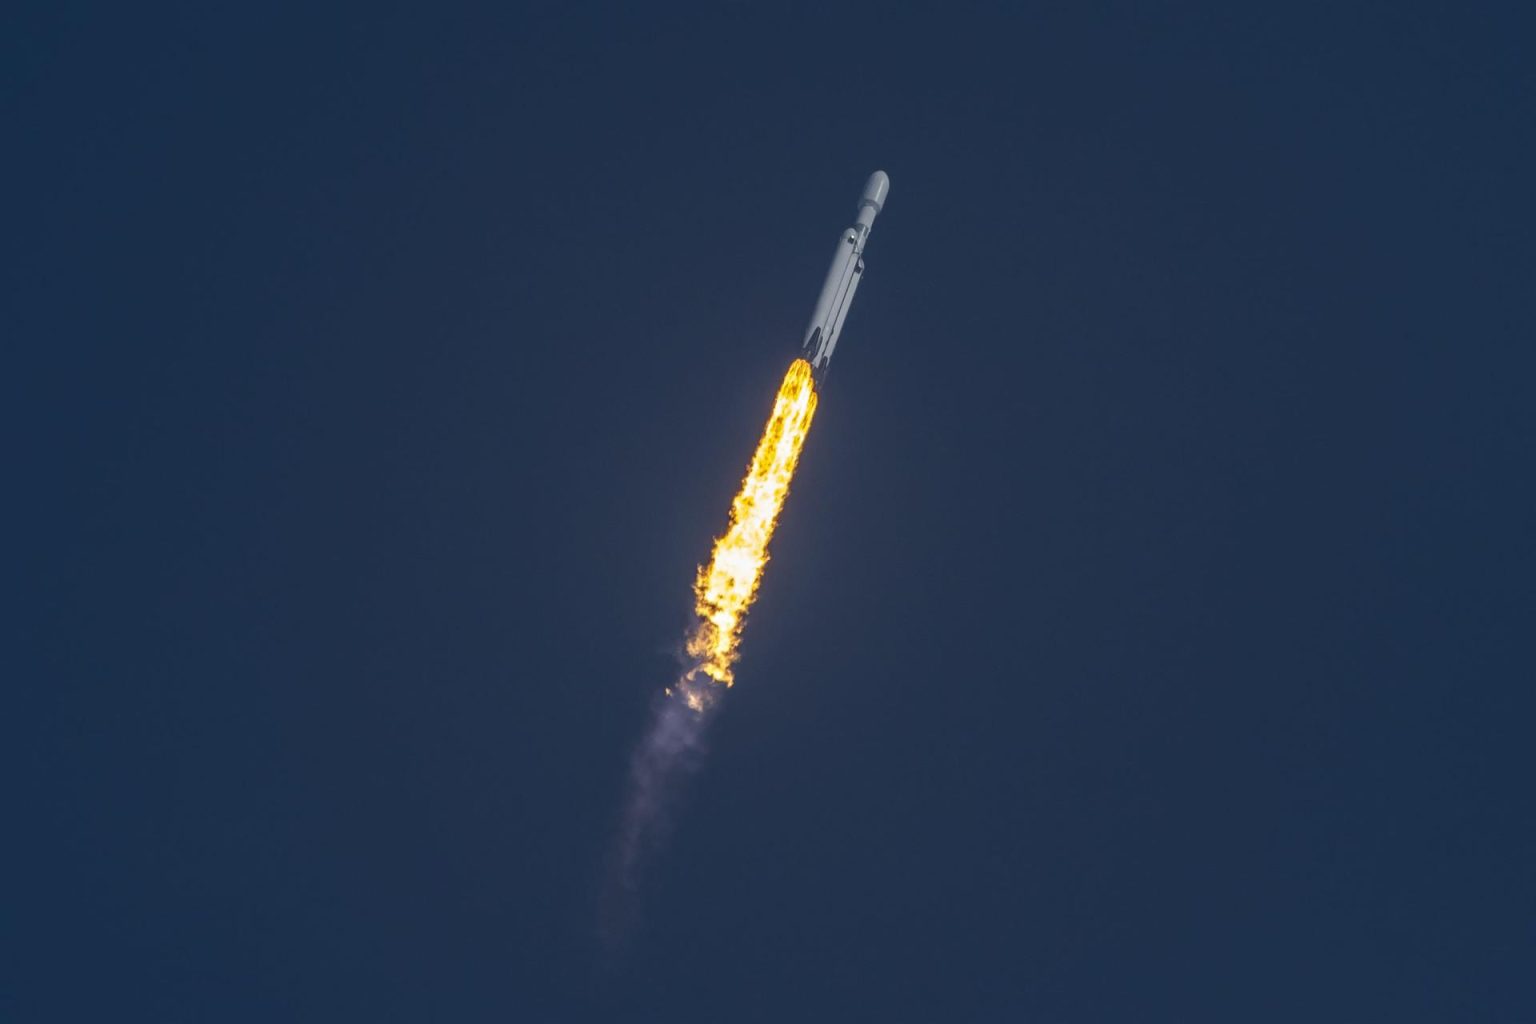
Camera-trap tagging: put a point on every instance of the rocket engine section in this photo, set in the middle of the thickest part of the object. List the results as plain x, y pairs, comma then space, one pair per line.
842, 279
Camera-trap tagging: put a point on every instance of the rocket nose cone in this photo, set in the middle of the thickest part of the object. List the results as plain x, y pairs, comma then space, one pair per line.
875, 190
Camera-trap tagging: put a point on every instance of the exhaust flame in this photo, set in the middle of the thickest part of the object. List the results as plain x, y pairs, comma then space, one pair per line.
726, 586
723, 592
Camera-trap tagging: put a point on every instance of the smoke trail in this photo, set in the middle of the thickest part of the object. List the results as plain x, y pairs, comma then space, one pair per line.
670, 752
723, 592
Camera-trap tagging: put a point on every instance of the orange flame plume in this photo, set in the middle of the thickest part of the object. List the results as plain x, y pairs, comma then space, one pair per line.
726, 586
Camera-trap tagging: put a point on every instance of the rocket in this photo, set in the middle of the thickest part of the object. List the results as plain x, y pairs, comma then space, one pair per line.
842, 279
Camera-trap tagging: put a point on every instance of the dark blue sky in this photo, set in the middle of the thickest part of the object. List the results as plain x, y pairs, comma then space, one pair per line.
1148, 636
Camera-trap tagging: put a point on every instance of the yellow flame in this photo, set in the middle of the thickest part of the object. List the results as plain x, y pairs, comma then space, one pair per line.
726, 586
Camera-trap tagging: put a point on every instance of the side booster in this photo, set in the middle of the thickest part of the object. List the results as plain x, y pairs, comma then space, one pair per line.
842, 279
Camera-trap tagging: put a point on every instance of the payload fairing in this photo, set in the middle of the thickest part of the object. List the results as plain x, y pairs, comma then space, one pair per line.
842, 279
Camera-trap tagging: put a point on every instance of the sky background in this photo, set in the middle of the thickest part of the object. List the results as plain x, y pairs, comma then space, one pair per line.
1148, 636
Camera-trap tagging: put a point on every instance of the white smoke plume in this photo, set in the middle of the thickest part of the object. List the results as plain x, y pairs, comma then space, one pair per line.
672, 749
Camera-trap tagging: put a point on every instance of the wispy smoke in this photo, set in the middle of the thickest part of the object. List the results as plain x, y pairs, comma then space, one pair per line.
671, 751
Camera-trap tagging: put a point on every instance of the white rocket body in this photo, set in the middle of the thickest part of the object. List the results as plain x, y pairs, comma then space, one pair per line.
843, 278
